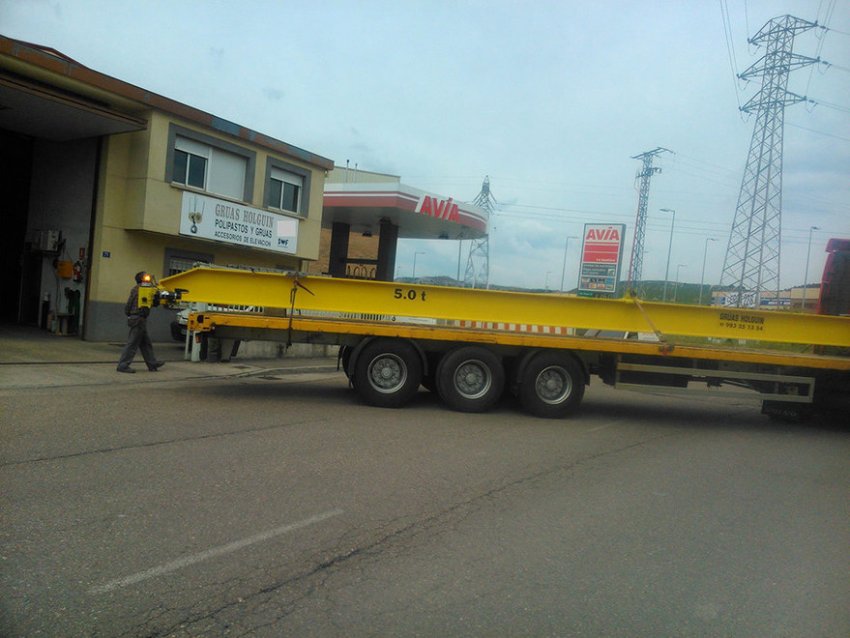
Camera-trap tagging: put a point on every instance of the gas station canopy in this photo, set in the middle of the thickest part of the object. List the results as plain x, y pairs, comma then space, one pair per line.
416, 213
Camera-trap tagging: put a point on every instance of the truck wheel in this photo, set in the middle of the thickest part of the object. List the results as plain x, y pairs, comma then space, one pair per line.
470, 379
429, 382
387, 373
552, 385
344, 360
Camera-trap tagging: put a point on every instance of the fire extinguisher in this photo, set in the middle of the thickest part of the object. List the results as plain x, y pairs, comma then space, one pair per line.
78, 271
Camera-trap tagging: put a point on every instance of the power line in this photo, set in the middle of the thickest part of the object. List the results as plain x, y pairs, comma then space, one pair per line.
730, 48
811, 130
821, 36
830, 65
829, 105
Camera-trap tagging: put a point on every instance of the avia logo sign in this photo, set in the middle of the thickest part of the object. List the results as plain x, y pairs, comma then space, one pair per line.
597, 234
439, 208
602, 243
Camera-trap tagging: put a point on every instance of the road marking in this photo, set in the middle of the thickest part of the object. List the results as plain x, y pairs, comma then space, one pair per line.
180, 563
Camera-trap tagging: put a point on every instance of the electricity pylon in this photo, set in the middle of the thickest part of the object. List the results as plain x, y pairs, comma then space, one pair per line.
752, 259
645, 175
477, 273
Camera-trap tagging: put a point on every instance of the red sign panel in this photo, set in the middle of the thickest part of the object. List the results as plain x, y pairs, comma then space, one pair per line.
600, 257
601, 244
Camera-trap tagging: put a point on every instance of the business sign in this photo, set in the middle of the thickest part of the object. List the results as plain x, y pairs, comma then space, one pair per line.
601, 255
782, 302
749, 299
210, 218
438, 208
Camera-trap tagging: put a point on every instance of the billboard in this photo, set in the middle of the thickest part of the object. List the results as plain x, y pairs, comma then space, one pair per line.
601, 256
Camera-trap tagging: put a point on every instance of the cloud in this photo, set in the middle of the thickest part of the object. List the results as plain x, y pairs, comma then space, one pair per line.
217, 55
273, 95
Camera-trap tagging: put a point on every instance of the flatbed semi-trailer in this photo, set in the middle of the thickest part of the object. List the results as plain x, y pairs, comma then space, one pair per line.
471, 345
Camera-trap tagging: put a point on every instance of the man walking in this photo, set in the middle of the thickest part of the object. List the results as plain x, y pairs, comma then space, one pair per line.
138, 339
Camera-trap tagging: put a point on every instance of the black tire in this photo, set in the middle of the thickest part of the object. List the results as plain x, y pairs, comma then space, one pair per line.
429, 382
552, 385
387, 373
344, 361
177, 332
470, 379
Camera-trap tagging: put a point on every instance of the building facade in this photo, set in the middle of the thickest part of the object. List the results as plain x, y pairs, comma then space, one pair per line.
102, 179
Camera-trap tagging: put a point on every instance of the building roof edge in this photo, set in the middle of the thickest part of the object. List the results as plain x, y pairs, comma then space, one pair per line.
56, 62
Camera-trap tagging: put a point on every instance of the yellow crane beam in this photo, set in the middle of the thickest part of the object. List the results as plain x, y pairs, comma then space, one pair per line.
304, 294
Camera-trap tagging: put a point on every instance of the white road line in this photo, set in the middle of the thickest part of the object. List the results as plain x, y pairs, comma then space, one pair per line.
180, 563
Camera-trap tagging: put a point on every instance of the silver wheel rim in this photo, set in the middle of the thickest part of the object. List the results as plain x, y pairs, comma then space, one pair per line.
387, 373
553, 385
472, 379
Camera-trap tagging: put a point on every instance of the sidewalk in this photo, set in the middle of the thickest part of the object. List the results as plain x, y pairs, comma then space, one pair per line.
33, 358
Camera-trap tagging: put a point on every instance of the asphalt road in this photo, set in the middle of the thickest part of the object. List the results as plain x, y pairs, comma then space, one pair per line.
281, 506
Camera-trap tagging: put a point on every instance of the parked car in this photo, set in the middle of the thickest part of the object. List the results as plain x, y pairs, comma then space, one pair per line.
178, 326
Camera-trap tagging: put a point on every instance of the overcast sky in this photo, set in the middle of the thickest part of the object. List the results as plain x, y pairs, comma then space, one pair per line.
550, 99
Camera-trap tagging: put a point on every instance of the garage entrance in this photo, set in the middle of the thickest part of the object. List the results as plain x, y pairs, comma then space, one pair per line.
15, 274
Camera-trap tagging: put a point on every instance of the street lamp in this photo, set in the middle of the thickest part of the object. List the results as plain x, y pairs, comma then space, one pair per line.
669, 249
459, 247
806, 276
702, 276
676, 287
564, 267
415, 255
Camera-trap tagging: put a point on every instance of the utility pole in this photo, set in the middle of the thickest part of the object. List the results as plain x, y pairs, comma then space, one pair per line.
752, 259
477, 272
806, 276
702, 276
645, 175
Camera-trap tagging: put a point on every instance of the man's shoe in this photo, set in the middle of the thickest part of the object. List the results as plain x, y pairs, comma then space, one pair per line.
156, 366
127, 370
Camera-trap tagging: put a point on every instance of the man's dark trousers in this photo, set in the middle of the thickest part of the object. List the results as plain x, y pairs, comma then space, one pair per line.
138, 339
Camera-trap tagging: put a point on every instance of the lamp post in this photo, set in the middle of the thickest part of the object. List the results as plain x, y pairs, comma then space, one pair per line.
702, 276
669, 249
415, 255
564, 266
806, 276
676, 287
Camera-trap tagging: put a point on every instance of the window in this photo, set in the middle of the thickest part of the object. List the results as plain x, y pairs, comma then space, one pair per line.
177, 261
209, 168
177, 265
287, 187
285, 190
190, 163
210, 164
